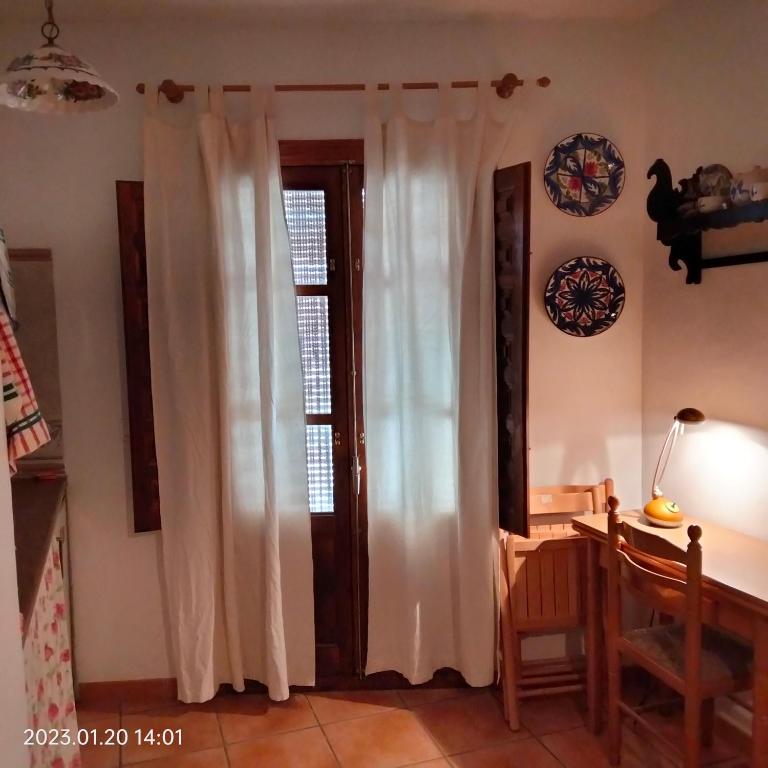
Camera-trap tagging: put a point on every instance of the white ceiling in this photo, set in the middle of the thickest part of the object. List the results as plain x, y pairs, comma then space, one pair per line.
350, 10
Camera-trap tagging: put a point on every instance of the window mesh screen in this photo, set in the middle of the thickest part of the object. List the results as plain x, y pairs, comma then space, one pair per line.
305, 214
314, 340
320, 467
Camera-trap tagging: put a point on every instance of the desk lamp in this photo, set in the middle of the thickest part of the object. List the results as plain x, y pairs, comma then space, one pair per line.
660, 510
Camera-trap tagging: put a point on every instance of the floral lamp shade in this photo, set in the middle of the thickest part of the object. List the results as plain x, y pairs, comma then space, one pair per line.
51, 79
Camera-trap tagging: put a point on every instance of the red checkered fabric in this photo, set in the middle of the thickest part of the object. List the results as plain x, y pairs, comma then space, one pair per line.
24, 424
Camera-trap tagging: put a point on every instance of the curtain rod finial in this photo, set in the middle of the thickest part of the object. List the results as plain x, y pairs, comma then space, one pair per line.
172, 92
507, 86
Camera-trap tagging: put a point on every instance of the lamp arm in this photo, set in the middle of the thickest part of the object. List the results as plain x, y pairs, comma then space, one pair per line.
666, 452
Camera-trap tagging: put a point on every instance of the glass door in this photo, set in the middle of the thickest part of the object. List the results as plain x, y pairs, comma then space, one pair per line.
320, 226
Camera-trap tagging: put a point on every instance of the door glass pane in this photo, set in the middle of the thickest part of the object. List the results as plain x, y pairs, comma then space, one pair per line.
305, 215
320, 467
314, 340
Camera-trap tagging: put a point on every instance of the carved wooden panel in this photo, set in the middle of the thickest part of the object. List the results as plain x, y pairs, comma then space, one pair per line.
512, 205
133, 263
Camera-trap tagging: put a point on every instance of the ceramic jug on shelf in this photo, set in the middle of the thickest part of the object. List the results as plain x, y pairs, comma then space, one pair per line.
742, 185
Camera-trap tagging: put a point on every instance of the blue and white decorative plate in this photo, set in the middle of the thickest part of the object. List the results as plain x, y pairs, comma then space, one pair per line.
584, 296
584, 174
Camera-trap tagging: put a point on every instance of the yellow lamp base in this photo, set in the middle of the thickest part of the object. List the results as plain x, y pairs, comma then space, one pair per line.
663, 513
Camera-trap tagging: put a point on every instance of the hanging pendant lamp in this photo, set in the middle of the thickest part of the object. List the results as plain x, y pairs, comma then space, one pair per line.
52, 80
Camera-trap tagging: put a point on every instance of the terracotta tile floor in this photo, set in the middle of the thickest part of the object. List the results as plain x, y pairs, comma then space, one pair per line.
436, 728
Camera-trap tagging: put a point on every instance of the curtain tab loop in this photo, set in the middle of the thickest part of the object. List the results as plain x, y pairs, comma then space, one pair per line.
201, 98
151, 98
484, 91
262, 101
398, 106
216, 100
444, 99
500, 109
372, 99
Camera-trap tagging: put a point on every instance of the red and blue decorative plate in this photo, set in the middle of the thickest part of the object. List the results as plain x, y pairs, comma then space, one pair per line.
584, 174
584, 296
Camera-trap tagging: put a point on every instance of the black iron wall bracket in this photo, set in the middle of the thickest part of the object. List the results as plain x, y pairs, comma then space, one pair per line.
683, 233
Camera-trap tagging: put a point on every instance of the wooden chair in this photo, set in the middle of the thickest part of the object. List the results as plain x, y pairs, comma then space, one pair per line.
542, 590
697, 661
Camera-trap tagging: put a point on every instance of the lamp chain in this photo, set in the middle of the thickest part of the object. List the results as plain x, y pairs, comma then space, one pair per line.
49, 29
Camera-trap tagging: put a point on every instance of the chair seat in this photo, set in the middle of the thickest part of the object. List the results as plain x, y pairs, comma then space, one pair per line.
723, 657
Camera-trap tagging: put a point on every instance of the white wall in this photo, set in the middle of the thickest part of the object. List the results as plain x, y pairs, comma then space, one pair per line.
57, 190
707, 345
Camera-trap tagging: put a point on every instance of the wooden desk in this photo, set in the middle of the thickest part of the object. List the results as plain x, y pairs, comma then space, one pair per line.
735, 571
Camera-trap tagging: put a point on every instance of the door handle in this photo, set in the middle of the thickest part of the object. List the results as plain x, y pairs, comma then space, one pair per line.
357, 469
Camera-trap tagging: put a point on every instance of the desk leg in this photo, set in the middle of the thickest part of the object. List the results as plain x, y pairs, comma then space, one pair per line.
594, 639
760, 702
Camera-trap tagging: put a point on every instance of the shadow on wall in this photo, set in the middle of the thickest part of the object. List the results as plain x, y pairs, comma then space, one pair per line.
720, 473
568, 432
581, 466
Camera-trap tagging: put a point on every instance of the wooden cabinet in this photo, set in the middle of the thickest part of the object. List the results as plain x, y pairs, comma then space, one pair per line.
42, 566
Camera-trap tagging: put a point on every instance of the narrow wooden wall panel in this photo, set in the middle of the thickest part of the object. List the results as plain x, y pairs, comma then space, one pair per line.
512, 236
133, 264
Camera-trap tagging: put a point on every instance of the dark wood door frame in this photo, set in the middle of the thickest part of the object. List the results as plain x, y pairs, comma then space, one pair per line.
341, 162
359, 545
334, 536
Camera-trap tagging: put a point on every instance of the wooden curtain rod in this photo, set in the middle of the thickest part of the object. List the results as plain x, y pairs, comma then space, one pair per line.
504, 87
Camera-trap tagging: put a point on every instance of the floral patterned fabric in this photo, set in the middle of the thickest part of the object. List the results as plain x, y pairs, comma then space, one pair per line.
48, 670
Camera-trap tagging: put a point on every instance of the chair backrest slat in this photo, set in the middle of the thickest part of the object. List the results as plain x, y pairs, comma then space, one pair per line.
546, 570
646, 571
561, 503
665, 576
569, 499
650, 544
664, 593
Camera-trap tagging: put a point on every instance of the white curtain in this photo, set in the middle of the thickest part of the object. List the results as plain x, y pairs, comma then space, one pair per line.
430, 389
228, 402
